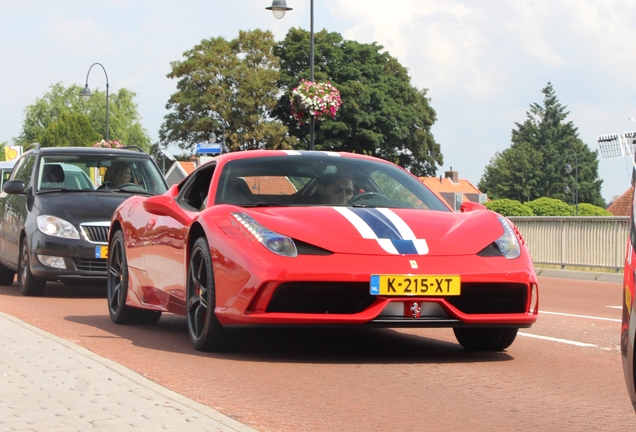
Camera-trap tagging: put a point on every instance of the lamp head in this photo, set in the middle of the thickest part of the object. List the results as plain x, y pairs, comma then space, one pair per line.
568, 168
278, 8
86, 93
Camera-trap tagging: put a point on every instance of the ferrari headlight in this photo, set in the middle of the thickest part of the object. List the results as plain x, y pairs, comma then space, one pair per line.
278, 243
508, 243
56, 227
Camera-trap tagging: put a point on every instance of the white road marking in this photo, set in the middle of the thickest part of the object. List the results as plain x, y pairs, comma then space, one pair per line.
565, 341
579, 316
614, 307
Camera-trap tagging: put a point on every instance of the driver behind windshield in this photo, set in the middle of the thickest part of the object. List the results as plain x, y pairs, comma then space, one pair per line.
338, 189
118, 174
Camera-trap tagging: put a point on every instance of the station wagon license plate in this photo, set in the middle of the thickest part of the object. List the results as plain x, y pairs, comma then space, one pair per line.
418, 285
101, 251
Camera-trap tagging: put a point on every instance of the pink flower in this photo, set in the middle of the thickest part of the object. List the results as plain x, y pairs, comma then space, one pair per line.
321, 100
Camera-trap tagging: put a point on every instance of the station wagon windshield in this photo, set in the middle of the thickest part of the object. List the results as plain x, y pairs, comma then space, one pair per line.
91, 173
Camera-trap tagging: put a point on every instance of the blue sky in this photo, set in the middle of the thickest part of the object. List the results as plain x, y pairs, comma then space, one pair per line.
483, 62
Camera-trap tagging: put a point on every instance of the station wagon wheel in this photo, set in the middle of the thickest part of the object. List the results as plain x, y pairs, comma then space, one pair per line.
29, 284
206, 333
119, 311
485, 339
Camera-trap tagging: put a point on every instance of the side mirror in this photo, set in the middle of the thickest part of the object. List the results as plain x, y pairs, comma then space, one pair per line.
470, 206
164, 205
14, 187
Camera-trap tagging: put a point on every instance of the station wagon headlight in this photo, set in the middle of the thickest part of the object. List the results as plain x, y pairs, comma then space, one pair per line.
508, 243
56, 227
278, 243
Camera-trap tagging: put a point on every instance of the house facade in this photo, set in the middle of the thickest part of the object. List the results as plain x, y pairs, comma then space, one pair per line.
453, 190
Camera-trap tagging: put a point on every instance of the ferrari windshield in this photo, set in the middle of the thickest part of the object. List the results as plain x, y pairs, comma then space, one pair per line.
321, 179
107, 173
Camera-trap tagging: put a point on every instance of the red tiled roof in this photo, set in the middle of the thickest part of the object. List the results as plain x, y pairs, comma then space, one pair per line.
622, 206
445, 185
264, 185
188, 167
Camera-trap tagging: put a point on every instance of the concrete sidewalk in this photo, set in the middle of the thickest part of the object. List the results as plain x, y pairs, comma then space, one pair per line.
51, 384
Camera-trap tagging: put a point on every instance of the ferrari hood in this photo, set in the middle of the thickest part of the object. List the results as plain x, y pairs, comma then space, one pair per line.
381, 231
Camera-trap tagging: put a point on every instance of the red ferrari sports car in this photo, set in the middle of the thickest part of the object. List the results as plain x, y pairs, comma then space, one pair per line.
628, 327
309, 238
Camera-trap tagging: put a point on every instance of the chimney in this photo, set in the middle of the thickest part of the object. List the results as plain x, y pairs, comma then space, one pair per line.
452, 175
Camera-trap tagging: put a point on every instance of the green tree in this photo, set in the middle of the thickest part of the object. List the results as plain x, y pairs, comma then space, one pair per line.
226, 87
510, 173
508, 207
61, 117
549, 207
382, 113
67, 130
535, 164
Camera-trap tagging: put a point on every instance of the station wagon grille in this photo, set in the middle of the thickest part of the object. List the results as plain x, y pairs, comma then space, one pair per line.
98, 265
97, 233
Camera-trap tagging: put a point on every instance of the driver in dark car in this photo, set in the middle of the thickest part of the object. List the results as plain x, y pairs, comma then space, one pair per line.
338, 189
118, 174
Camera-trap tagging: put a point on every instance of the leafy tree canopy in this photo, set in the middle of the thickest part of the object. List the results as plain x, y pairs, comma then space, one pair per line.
535, 164
382, 113
62, 118
226, 87
69, 129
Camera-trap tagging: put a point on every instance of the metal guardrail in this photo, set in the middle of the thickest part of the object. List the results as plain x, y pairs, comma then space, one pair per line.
583, 241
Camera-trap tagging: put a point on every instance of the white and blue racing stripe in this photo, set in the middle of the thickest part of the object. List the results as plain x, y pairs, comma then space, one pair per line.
387, 228
299, 153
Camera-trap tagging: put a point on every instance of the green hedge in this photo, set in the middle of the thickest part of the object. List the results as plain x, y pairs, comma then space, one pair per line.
508, 207
543, 207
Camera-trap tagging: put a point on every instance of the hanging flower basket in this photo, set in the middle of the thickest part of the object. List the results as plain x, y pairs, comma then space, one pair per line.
108, 144
320, 99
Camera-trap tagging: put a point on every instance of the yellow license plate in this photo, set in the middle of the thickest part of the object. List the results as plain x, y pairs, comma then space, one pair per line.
419, 285
101, 251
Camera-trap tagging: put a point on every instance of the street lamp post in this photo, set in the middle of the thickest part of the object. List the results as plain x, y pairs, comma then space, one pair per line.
568, 169
278, 8
86, 93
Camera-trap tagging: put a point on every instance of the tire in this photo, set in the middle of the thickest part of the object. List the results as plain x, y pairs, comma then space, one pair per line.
485, 339
29, 284
6, 275
206, 333
117, 288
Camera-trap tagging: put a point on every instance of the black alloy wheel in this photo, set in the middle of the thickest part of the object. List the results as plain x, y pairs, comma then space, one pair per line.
485, 339
117, 283
206, 333
29, 284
